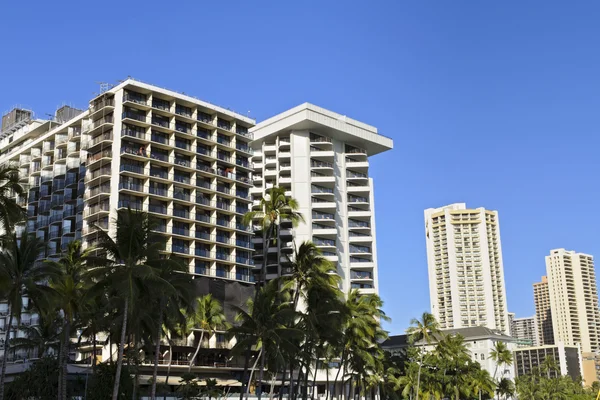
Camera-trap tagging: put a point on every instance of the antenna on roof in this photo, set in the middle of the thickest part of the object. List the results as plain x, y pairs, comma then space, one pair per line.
104, 86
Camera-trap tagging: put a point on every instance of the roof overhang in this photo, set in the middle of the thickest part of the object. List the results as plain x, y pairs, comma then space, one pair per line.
313, 118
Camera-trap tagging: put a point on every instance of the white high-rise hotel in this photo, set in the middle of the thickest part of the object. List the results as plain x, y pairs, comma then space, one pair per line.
187, 163
321, 159
466, 274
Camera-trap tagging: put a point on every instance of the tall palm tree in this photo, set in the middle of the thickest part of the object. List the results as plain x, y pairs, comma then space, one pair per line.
70, 286
10, 211
131, 261
40, 339
175, 290
361, 334
21, 275
423, 330
505, 388
501, 355
312, 279
549, 365
208, 317
274, 208
265, 325
481, 382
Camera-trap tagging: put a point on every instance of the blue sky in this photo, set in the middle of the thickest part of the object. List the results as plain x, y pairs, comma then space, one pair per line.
503, 95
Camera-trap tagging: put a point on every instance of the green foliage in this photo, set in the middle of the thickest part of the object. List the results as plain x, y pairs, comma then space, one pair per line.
40, 382
100, 384
540, 385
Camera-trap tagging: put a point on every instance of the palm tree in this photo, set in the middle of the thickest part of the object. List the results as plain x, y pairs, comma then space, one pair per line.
549, 365
265, 325
10, 211
70, 286
505, 388
40, 339
501, 355
21, 275
527, 387
131, 261
312, 279
208, 317
274, 208
175, 290
423, 330
481, 382
361, 333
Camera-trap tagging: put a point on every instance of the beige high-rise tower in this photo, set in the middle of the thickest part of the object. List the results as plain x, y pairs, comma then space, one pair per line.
466, 275
543, 313
574, 299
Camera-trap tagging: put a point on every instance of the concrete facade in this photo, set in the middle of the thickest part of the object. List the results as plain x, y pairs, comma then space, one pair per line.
321, 159
543, 312
466, 273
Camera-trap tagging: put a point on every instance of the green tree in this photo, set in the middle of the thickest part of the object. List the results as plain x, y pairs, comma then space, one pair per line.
208, 317
423, 330
132, 259
274, 208
501, 355
40, 340
10, 212
21, 275
70, 285
265, 325
175, 290
549, 366
482, 382
505, 388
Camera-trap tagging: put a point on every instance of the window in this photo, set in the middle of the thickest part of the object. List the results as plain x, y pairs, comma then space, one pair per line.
482, 357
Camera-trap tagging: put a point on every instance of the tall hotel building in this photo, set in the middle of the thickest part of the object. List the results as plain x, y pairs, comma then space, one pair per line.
574, 299
466, 274
543, 312
184, 161
188, 164
322, 160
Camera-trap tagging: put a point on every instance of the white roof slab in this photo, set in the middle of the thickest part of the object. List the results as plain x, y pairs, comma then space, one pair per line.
310, 117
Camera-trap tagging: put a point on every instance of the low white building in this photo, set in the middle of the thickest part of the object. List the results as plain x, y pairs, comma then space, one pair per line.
479, 340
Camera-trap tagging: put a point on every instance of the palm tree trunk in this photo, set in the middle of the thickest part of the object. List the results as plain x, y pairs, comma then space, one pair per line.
136, 378
169, 366
338, 372
479, 394
263, 275
121, 349
196, 352
252, 373
291, 388
59, 359
419, 376
94, 351
283, 378
157, 351
273, 376
6, 347
260, 376
63, 361
327, 381
314, 382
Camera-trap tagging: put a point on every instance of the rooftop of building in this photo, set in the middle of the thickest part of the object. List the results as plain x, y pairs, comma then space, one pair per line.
469, 333
171, 94
311, 117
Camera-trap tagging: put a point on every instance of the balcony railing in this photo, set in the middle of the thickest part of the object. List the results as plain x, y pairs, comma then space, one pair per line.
320, 164
318, 215
320, 189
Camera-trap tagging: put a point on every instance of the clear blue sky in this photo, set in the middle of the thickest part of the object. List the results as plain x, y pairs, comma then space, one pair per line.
504, 95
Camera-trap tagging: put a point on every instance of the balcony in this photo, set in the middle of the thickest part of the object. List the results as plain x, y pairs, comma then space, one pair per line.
136, 116
320, 164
